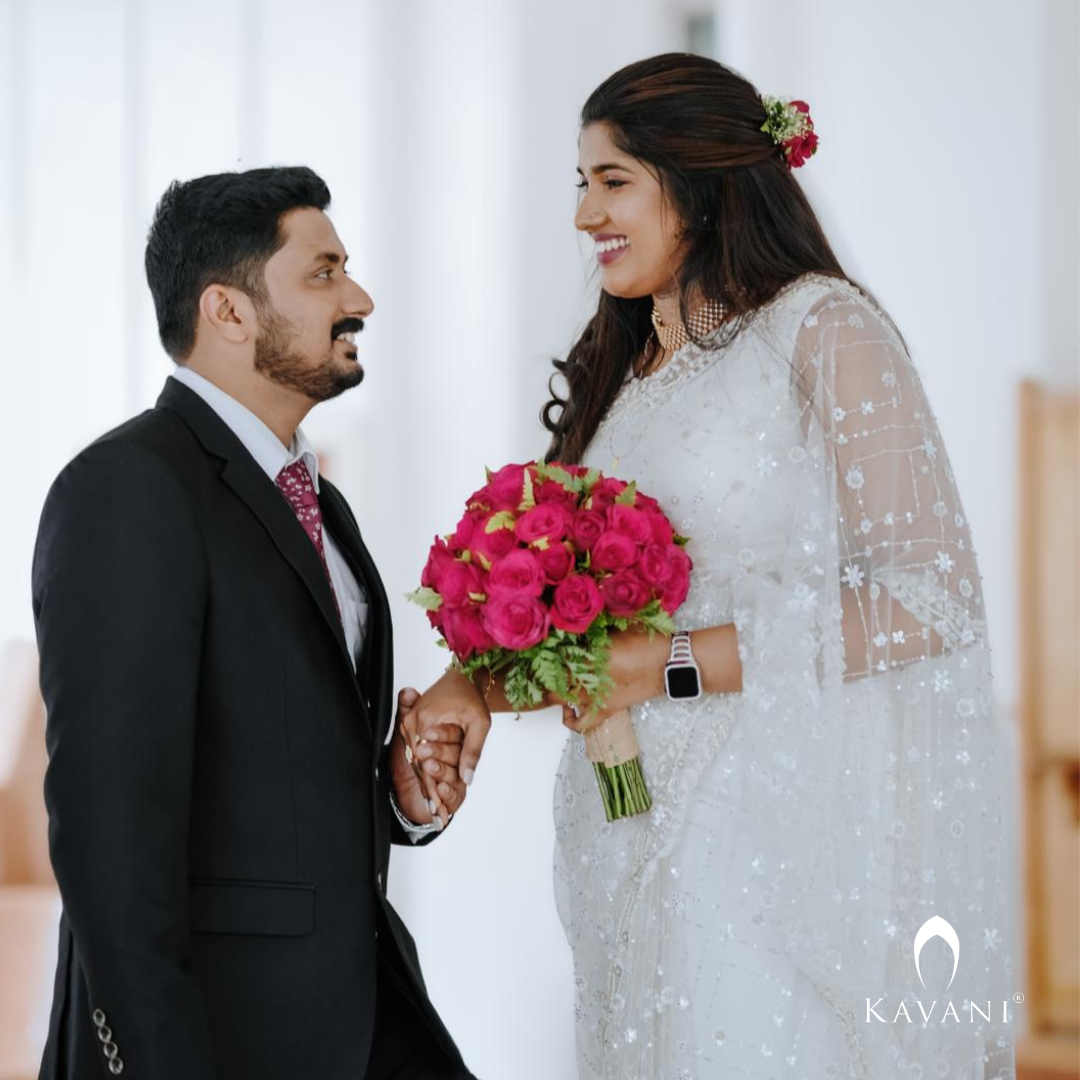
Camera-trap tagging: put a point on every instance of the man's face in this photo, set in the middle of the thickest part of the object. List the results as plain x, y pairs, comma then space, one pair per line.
314, 311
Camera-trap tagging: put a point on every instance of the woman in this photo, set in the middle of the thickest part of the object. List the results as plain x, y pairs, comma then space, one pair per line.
837, 786
838, 783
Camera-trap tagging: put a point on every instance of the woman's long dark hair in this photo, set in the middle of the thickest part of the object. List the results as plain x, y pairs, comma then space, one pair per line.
748, 228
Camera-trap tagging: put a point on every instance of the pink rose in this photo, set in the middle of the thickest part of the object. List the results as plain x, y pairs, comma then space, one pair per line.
439, 558
464, 631
458, 580
516, 622
491, 545
654, 566
585, 528
464, 532
506, 487
576, 604
545, 521
604, 492
556, 561
630, 522
613, 551
625, 593
551, 491
662, 532
518, 574
678, 584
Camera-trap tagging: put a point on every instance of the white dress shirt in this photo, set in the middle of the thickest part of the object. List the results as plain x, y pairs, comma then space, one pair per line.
272, 456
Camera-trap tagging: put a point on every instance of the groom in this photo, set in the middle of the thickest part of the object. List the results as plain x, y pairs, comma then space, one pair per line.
216, 663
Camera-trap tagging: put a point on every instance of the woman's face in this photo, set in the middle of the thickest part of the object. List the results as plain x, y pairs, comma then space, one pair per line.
623, 209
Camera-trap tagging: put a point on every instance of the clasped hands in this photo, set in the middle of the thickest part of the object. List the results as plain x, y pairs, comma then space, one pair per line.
445, 728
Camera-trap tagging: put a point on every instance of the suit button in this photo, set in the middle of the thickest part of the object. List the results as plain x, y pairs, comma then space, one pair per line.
111, 1050
116, 1066
378, 878
99, 1018
376, 772
105, 1034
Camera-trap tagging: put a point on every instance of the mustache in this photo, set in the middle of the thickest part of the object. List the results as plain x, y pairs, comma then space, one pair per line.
346, 326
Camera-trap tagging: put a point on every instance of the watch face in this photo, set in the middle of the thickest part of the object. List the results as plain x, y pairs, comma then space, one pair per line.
682, 682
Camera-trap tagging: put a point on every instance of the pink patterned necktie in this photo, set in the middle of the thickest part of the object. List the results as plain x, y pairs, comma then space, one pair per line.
295, 484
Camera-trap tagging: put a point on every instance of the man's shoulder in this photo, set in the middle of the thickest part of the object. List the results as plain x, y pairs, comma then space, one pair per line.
152, 447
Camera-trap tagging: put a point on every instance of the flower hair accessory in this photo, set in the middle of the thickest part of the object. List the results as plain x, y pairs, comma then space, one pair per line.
789, 125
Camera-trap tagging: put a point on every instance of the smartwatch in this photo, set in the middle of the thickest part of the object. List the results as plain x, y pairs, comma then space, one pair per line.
682, 678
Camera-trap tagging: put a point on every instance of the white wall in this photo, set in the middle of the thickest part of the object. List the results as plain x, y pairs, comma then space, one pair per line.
947, 176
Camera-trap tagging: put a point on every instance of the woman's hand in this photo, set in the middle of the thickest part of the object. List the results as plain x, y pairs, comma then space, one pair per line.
636, 666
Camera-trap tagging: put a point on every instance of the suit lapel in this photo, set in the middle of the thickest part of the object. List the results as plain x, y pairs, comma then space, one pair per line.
262, 497
376, 665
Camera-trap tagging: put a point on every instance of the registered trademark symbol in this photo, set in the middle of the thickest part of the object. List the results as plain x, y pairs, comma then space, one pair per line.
1018, 998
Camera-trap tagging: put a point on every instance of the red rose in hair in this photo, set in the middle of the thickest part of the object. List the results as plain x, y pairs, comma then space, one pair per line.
800, 149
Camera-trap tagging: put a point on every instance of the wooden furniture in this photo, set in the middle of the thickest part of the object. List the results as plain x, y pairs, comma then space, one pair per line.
1050, 727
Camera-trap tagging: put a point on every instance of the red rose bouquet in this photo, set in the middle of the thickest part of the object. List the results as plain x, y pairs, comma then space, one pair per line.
546, 561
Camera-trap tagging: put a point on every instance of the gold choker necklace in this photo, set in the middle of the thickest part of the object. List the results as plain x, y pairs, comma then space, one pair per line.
674, 336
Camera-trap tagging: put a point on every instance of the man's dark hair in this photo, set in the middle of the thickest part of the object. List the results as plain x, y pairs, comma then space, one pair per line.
219, 229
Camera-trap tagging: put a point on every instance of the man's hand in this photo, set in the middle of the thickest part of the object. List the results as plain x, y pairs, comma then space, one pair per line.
452, 703
429, 788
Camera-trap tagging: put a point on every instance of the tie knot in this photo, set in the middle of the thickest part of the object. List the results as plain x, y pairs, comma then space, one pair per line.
296, 485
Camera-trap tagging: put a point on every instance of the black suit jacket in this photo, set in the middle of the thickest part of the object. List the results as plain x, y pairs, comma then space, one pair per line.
219, 814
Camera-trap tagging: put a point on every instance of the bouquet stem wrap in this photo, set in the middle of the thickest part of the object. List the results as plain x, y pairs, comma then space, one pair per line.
613, 749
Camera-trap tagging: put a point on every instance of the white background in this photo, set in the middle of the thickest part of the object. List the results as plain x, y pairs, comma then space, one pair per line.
947, 178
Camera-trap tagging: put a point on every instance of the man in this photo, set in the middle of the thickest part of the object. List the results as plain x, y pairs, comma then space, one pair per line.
216, 664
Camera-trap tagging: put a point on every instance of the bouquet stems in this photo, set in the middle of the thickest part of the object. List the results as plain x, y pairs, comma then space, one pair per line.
613, 749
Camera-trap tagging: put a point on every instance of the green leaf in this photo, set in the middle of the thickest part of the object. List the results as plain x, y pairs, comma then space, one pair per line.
426, 597
560, 475
504, 519
682, 541
528, 497
589, 480
627, 495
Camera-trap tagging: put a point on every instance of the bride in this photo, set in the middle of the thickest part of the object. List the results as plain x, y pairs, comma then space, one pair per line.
838, 783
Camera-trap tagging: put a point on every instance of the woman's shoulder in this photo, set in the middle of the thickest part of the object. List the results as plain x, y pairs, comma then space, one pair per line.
815, 305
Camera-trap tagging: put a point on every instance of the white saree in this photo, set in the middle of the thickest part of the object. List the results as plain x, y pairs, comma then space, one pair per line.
760, 920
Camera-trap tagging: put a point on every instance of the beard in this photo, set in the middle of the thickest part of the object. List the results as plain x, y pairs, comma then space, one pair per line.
278, 358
